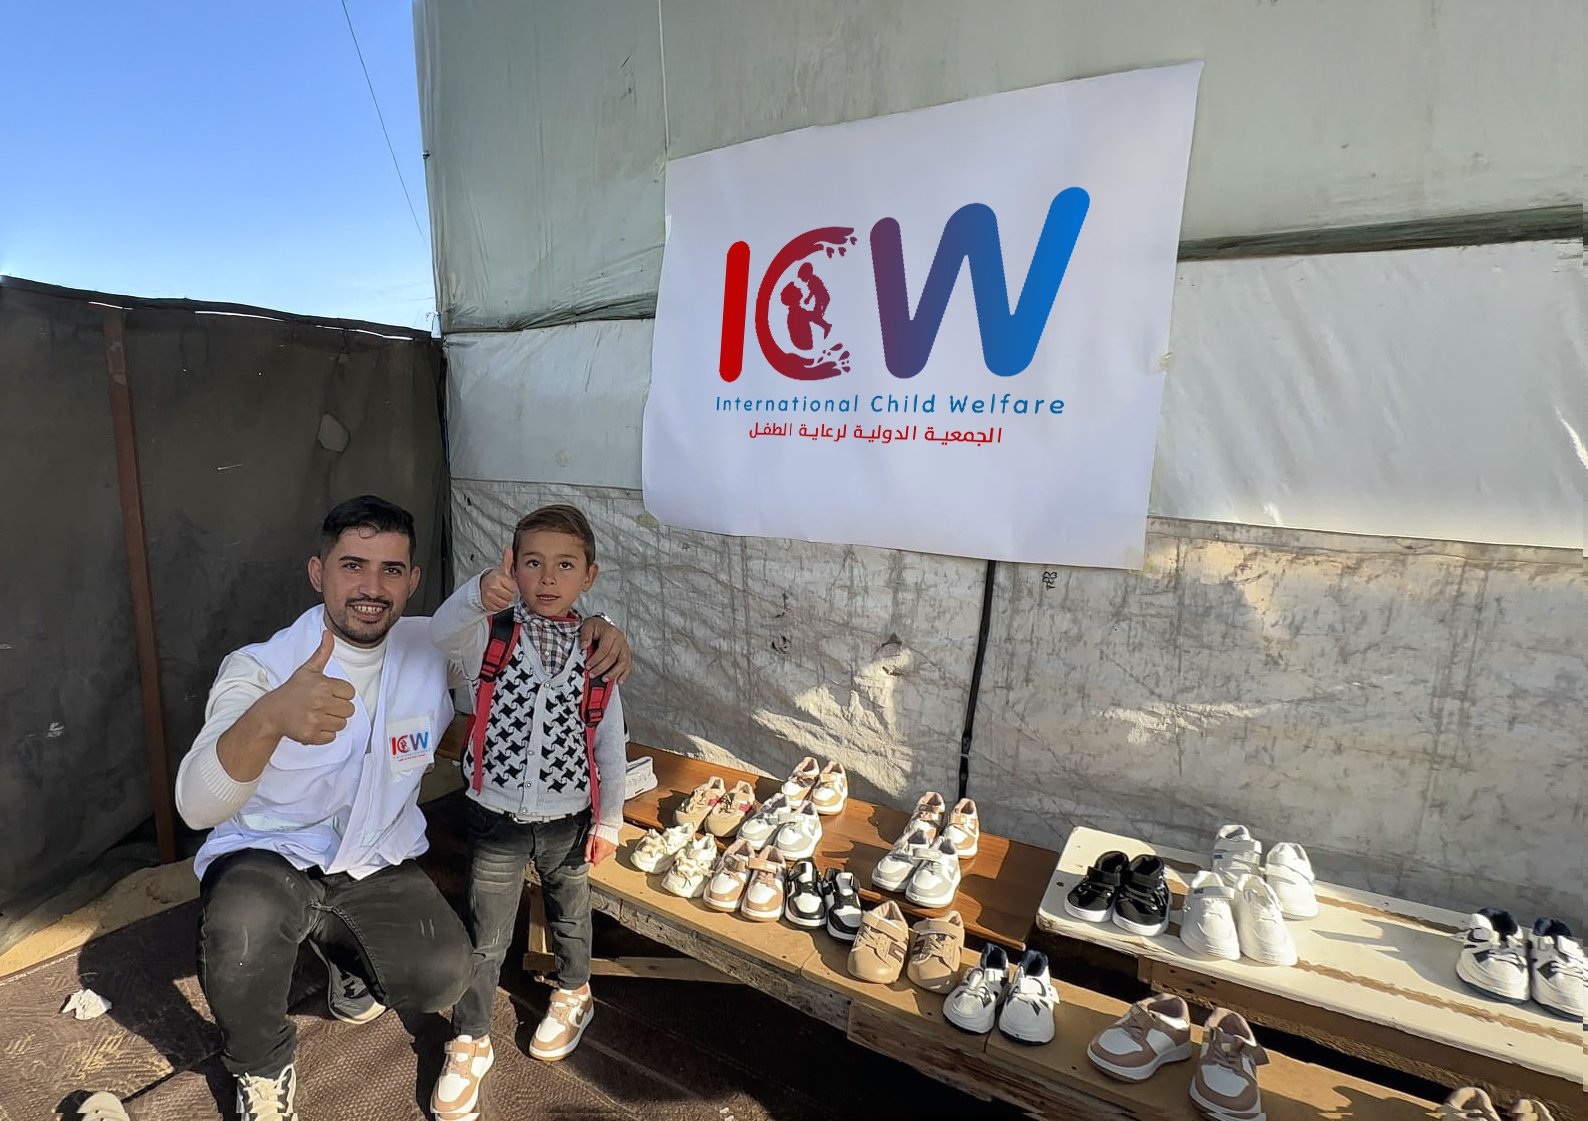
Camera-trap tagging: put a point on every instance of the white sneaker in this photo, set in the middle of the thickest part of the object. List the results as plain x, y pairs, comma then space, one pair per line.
1555, 961
1492, 959
909, 850
799, 833
760, 826
656, 850
1207, 925
1289, 873
935, 879
1027, 1012
1260, 923
973, 1005
1236, 853
691, 868
1152, 1032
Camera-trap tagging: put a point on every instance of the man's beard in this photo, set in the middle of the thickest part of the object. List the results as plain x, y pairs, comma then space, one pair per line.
361, 631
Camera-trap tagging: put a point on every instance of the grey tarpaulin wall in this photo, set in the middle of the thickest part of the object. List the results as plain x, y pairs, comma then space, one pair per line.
249, 424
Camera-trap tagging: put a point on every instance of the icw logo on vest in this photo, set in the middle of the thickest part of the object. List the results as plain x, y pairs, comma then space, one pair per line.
411, 743
1009, 338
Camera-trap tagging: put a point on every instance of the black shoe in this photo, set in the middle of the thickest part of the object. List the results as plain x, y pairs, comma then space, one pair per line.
1092, 899
1142, 905
841, 897
347, 994
804, 903
263, 1098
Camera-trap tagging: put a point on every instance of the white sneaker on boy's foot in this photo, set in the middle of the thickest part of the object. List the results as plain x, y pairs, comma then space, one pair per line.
456, 1096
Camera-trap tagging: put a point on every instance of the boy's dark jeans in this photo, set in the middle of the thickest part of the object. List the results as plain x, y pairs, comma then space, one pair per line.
392, 928
499, 851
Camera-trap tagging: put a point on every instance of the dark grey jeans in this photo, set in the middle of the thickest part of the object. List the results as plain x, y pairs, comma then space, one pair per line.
499, 851
392, 928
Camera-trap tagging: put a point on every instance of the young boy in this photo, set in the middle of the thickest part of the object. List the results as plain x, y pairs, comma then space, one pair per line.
545, 780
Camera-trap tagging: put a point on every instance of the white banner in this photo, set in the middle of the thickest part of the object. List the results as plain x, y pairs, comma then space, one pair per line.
826, 367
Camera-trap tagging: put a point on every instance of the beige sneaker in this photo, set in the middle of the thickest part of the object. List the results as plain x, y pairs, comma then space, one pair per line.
831, 790
763, 893
559, 1032
456, 1096
935, 950
929, 810
701, 801
1469, 1104
964, 828
729, 813
878, 952
1528, 1109
801, 780
1224, 1086
726, 886
656, 850
691, 868
1152, 1032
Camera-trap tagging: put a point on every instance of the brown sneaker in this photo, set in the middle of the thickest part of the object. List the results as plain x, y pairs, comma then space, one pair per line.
929, 810
726, 886
801, 780
763, 894
1225, 1083
935, 950
456, 1096
1152, 1032
700, 802
559, 1032
964, 829
878, 952
731, 810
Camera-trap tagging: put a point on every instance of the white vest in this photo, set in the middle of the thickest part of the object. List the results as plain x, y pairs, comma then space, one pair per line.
351, 805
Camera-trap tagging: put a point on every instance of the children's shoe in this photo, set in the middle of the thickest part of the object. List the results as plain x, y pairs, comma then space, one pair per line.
656, 849
456, 1096
701, 801
1289, 873
909, 850
879, 949
638, 777
841, 894
964, 828
1027, 1012
1224, 1086
1236, 853
831, 790
763, 894
1151, 1033
802, 897
1556, 967
691, 868
726, 887
268, 1099
1469, 1104
761, 826
1142, 904
1207, 925
936, 947
1260, 924
801, 780
729, 812
799, 833
929, 810
935, 879
1092, 900
973, 1005
1528, 1109
563, 1026
101, 1106
1492, 958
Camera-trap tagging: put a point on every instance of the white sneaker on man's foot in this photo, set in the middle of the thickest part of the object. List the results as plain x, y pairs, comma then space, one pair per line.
261, 1098
563, 1026
456, 1096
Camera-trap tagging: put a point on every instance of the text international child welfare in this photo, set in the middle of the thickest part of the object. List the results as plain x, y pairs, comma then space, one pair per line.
997, 403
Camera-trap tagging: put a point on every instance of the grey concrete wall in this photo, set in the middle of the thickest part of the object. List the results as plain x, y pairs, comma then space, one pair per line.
1411, 711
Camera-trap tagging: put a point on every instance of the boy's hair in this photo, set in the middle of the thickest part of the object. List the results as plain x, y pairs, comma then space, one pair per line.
367, 511
559, 518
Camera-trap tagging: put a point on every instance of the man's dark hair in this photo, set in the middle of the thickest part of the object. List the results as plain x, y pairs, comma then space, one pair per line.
558, 519
367, 511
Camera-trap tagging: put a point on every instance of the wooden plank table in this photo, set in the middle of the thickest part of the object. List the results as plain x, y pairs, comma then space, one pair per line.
1002, 884
1376, 979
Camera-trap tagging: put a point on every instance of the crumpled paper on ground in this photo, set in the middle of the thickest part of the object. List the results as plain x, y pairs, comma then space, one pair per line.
86, 1004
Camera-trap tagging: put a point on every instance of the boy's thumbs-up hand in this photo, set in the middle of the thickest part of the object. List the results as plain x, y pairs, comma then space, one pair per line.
309, 706
498, 588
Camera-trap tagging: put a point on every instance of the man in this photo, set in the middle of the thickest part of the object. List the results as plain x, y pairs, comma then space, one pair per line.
308, 770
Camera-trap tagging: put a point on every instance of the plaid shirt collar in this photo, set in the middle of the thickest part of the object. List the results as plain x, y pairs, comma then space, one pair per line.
553, 638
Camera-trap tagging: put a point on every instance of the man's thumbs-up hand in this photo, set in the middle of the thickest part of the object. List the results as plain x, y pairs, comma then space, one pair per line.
498, 588
310, 707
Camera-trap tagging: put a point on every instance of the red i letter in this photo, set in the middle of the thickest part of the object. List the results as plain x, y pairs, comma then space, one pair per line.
735, 298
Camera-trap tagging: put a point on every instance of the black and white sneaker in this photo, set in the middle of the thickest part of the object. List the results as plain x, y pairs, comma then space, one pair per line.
1142, 903
803, 904
841, 898
1555, 962
1092, 899
1492, 958
262, 1098
346, 994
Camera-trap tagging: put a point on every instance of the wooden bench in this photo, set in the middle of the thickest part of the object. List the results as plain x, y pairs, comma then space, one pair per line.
1376, 979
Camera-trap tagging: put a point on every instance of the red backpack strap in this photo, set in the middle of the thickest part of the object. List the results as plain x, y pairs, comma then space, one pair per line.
592, 708
498, 652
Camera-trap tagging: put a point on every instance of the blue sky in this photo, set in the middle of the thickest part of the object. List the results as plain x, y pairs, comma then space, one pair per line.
218, 150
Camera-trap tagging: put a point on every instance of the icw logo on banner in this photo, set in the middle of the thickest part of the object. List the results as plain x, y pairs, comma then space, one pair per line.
1009, 338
